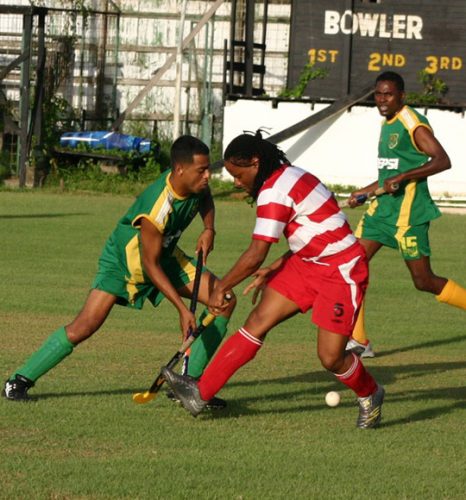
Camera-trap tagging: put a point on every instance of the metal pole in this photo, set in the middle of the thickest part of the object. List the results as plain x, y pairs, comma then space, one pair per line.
264, 40
24, 100
179, 71
232, 46
249, 50
211, 61
81, 64
205, 97
100, 111
37, 120
192, 49
158, 76
115, 62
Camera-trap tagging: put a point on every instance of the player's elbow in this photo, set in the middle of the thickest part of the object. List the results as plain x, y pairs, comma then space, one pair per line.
444, 162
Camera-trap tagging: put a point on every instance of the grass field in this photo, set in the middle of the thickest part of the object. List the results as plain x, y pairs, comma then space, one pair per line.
84, 438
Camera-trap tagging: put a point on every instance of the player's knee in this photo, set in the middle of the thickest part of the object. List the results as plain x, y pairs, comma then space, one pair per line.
78, 331
423, 283
330, 361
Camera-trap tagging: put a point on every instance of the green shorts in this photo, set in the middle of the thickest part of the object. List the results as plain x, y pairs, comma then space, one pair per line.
179, 268
411, 241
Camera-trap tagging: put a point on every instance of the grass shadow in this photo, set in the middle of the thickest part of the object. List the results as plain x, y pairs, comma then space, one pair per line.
43, 216
422, 345
387, 376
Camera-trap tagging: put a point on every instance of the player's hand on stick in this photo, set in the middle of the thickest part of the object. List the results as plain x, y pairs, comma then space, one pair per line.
356, 199
187, 323
391, 185
359, 197
258, 284
219, 301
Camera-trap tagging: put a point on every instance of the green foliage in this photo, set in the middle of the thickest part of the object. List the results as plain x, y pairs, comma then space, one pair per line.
222, 188
308, 74
138, 170
216, 151
4, 172
86, 172
83, 437
341, 188
433, 90
57, 120
139, 128
87, 175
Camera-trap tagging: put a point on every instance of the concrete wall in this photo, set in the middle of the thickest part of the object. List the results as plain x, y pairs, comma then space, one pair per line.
343, 150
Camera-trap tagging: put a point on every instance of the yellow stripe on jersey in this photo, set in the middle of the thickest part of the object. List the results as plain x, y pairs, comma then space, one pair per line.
133, 259
162, 209
159, 213
407, 203
369, 211
372, 207
358, 230
184, 263
411, 122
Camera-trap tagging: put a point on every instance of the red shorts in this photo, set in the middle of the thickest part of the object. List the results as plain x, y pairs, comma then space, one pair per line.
334, 288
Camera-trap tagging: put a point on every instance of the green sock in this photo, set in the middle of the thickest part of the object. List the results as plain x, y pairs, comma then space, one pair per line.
55, 348
205, 346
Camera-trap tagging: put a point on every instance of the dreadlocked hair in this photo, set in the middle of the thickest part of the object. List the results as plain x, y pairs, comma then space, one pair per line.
246, 146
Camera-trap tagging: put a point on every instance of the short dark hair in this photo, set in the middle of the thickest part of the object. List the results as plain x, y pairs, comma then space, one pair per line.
246, 146
185, 147
391, 76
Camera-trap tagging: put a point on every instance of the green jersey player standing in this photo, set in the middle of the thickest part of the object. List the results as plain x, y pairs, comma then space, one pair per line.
408, 154
141, 260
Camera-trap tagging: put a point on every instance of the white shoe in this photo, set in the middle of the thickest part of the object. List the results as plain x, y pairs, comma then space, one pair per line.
361, 350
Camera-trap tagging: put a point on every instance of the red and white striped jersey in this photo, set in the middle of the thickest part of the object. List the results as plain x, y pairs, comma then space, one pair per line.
295, 203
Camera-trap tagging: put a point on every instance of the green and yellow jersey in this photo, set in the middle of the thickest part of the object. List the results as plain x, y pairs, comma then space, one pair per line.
120, 266
412, 204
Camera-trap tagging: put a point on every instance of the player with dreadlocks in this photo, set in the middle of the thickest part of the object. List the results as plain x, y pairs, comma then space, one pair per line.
325, 269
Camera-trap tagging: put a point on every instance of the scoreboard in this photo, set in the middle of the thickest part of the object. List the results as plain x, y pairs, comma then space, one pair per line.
356, 40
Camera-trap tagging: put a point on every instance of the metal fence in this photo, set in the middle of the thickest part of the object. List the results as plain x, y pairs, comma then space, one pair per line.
100, 55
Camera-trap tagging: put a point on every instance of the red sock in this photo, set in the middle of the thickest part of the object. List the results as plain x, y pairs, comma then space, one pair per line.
240, 348
358, 378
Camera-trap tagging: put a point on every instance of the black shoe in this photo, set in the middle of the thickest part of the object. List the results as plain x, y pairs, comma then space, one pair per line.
186, 390
17, 388
213, 404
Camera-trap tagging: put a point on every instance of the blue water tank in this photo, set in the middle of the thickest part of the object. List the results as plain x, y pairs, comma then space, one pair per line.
105, 140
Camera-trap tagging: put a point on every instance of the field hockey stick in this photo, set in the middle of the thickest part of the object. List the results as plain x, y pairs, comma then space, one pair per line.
361, 198
150, 394
145, 397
